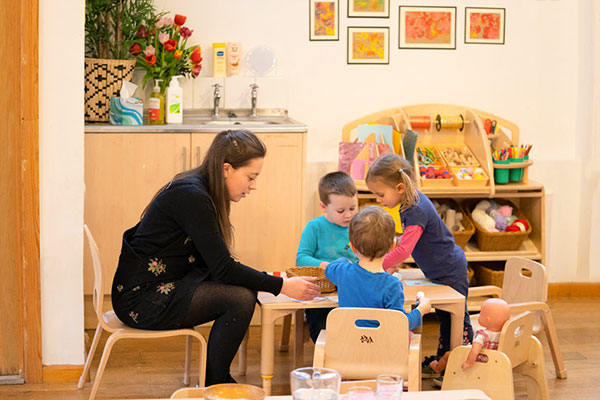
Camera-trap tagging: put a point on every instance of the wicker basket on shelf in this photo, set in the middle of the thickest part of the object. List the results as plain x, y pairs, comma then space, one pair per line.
461, 238
499, 241
322, 282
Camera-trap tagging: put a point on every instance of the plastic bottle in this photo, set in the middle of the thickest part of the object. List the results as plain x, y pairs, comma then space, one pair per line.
219, 60
156, 105
234, 56
174, 103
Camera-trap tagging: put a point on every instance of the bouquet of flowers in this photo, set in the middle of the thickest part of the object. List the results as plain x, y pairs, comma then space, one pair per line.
161, 49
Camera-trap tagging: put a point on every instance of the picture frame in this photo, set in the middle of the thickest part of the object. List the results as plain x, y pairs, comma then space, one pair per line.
368, 9
484, 25
368, 45
324, 20
427, 27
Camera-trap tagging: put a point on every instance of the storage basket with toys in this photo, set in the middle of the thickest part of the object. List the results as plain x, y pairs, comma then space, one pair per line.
491, 275
323, 283
432, 168
456, 220
499, 225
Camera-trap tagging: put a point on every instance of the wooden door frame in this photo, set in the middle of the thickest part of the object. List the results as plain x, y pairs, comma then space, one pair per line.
25, 130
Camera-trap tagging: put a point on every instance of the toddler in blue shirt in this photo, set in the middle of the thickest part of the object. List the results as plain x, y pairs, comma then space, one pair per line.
372, 233
325, 238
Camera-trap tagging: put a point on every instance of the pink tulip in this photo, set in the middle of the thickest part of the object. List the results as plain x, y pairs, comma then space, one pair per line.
163, 37
185, 32
196, 70
149, 51
164, 21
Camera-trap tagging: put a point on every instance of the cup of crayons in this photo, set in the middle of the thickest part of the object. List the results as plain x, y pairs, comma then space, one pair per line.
513, 154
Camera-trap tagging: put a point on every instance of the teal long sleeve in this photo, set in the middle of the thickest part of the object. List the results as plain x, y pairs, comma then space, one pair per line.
322, 240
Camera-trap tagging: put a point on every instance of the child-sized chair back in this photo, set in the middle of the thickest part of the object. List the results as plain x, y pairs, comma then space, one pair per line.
515, 338
358, 352
98, 293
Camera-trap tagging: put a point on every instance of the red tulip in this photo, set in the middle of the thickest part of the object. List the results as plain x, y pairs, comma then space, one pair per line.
196, 55
185, 32
151, 60
177, 54
180, 19
142, 32
196, 70
135, 50
170, 45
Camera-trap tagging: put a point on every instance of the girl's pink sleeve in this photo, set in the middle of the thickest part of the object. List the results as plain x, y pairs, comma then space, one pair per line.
410, 237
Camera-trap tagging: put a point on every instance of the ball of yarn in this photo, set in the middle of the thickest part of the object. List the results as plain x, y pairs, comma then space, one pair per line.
493, 210
510, 219
483, 205
484, 220
500, 222
520, 224
506, 211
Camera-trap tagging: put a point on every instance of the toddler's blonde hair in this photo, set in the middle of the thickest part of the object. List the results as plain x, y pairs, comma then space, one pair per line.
372, 231
391, 169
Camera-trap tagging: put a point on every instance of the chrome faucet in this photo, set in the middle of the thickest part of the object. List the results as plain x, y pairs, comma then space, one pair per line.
254, 86
217, 99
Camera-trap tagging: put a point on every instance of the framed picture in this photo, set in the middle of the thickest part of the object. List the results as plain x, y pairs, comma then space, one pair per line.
368, 45
324, 20
427, 28
484, 25
369, 8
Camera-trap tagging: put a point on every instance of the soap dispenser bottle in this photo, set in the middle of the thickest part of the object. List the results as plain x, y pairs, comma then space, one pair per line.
174, 102
156, 105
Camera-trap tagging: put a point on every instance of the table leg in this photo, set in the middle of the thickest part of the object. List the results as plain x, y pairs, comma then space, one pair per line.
299, 339
457, 317
267, 349
243, 355
285, 333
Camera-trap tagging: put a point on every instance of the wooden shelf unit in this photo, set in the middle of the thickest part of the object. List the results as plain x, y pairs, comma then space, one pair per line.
527, 195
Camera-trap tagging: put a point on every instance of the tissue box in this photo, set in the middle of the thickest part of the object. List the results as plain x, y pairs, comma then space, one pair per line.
126, 111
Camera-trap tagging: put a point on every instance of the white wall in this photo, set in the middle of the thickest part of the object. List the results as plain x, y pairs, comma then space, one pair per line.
61, 180
540, 79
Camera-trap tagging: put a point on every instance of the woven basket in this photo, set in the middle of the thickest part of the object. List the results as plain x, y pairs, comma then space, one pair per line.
322, 282
485, 275
499, 241
103, 79
461, 238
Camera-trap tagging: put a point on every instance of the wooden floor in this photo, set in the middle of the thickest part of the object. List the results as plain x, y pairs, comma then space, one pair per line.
154, 368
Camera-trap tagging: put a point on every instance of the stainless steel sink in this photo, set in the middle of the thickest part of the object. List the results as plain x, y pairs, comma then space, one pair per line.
243, 121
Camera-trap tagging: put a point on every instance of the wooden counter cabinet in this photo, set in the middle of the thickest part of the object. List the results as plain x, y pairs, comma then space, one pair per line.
124, 170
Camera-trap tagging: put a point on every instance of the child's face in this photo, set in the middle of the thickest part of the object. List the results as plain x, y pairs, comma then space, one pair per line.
340, 209
388, 196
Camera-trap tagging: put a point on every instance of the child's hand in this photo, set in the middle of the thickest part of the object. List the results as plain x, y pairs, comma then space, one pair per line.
424, 306
466, 365
393, 269
323, 264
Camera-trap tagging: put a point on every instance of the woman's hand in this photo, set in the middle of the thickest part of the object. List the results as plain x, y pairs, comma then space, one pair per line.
300, 287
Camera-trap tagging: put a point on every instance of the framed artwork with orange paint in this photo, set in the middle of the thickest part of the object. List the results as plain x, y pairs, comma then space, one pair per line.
324, 20
369, 8
484, 25
427, 28
368, 45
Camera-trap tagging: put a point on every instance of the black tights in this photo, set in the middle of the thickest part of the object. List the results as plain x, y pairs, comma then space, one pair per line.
231, 307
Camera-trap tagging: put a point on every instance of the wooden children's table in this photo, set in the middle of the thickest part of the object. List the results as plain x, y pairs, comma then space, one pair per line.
274, 307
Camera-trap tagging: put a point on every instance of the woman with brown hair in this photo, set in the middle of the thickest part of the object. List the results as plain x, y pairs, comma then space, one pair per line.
176, 270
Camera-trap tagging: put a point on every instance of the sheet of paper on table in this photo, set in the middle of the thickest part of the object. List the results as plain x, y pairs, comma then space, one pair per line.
419, 282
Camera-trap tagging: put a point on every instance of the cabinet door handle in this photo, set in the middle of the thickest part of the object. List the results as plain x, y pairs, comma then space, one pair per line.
197, 156
184, 156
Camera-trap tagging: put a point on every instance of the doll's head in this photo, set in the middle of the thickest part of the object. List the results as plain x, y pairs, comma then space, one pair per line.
494, 313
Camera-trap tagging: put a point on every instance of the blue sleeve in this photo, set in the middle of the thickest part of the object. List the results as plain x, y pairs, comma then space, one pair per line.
332, 272
308, 247
394, 299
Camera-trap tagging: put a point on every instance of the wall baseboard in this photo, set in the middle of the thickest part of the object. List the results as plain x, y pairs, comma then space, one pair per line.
574, 289
61, 373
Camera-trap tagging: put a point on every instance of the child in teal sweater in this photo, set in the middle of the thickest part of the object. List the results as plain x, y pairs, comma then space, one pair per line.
325, 238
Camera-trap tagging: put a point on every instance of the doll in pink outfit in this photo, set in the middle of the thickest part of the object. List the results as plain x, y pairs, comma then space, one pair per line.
494, 313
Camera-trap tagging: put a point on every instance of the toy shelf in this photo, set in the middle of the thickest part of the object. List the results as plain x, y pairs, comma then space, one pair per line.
527, 195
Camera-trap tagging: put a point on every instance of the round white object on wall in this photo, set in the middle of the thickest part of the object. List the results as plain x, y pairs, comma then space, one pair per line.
261, 60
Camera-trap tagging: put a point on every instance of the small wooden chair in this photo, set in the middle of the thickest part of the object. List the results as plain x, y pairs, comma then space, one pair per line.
363, 353
518, 351
108, 321
188, 393
524, 293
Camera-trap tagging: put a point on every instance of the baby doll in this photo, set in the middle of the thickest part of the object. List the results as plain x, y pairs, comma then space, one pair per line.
494, 313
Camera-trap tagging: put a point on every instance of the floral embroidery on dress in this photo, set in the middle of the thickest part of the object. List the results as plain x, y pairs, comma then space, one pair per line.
157, 267
191, 259
133, 316
119, 288
187, 239
165, 288
135, 289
